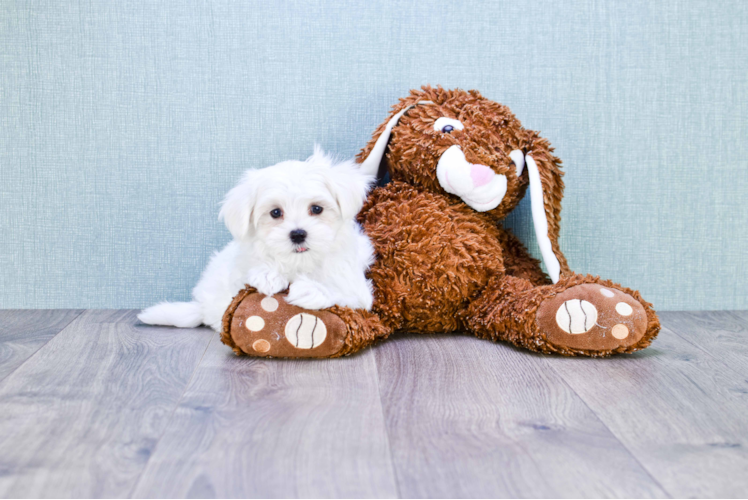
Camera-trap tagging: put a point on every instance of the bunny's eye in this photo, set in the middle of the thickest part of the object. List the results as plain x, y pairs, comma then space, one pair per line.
447, 125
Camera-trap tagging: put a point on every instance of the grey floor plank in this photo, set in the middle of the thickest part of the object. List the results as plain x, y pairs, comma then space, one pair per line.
108, 407
249, 427
469, 418
724, 334
679, 410
81, 417
23, 332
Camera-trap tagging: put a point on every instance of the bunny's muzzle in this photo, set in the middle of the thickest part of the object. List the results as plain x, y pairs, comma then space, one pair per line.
477, 185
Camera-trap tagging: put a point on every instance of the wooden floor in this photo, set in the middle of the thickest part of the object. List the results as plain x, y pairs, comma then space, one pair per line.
95, 404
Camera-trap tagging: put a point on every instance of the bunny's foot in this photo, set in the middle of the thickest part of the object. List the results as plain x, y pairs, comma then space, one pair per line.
580, 315
592, 317
259, 325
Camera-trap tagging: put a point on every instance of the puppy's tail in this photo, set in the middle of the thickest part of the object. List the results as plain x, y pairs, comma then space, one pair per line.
179, 314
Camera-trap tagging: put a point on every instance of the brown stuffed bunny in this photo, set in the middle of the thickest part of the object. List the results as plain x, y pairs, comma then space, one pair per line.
457, 164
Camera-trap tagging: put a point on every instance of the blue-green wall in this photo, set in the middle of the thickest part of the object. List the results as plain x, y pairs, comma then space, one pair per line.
122, 124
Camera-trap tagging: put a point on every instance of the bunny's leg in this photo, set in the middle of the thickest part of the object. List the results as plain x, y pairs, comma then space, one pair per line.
579, 315
518, 262
258, 325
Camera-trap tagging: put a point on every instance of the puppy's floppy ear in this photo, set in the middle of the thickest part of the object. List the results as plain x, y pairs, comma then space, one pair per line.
349, 185
237, 206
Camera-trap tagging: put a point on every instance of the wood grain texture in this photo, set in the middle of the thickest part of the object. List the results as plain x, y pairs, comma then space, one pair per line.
252, 427
723, 334
469, 418
679, 410
82, 416
23, 332
108, 407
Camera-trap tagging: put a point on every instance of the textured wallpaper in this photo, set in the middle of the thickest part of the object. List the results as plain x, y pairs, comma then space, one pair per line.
122, 124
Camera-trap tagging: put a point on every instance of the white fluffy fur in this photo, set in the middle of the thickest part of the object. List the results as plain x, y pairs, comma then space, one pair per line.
331, 271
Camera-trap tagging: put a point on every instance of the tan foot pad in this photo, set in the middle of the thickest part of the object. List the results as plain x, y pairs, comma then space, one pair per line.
269, 326
592, 317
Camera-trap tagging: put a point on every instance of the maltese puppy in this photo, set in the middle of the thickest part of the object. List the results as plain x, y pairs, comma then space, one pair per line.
294, 228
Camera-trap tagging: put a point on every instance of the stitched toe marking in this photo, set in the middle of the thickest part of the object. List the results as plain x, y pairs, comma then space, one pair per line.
620, 331
624, 309
261, 345
576, 316
269, 304
255, 323
305, 331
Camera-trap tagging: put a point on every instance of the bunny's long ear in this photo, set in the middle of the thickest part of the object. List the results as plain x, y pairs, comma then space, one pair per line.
371, 165
546, 192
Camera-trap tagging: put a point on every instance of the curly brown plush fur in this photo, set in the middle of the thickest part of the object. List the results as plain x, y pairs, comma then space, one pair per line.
441, 266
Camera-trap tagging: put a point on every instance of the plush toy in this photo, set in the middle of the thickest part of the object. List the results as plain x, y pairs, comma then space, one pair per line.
452, 165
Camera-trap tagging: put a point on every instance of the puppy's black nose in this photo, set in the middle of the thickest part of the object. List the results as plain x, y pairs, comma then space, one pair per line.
298, 235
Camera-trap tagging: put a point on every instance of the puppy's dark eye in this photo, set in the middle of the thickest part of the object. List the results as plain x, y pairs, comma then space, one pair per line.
276, 213
315, 209
447, 129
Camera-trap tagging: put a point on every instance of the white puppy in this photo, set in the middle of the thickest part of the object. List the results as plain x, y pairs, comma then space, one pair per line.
293, 224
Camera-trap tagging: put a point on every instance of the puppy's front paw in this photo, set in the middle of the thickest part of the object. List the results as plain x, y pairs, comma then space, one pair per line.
266, 281
308, 295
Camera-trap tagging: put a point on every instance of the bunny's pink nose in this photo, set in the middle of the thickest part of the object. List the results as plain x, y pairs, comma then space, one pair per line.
481, 175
